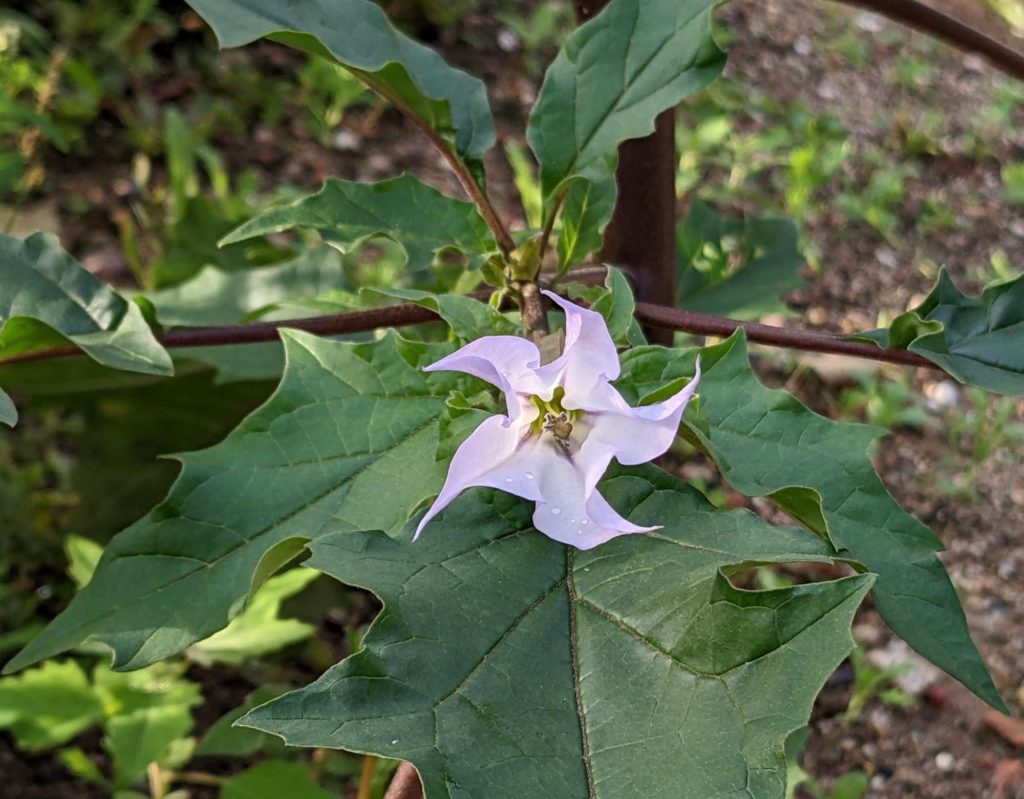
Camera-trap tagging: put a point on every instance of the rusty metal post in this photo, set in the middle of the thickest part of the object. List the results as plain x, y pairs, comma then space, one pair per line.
641, 236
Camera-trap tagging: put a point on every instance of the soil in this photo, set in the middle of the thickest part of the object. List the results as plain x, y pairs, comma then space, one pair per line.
941, 747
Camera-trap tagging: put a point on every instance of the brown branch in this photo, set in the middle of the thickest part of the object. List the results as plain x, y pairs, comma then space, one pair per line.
710, 325
405, 784
922, 17
409, 314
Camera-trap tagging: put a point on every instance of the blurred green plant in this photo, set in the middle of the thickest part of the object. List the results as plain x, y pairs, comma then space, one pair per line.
328, 92
883, 400
540, 31
874, 684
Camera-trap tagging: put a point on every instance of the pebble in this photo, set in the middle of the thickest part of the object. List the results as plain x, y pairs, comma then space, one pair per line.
945, 761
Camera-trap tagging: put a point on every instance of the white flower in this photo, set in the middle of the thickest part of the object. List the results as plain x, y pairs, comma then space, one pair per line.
565, 423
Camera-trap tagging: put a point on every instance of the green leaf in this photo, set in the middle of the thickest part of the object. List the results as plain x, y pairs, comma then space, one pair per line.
358, 35
735, 267
149, 735
615, 302
409, 212
223, 738
8, 413
610, 81
507, 665
766, 443
83, 555
467, 317
978, 340
48, 705
47, 299
347, 442
217, 297
273, 780
159, 685
258, 630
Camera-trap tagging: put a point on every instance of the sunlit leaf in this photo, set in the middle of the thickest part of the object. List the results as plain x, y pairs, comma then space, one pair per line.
258, 630
48, 705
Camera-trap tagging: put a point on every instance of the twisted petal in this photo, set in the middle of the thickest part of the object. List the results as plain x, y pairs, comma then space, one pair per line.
488, 455
635, 435
508, 362
589, 358
569, 510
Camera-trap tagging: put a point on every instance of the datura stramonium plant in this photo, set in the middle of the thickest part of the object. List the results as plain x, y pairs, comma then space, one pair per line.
565, 423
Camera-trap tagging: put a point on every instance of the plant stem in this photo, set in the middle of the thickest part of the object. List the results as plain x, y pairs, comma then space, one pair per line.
926, 19
405, 784
198, 778
366, 778
531, 308
659, 316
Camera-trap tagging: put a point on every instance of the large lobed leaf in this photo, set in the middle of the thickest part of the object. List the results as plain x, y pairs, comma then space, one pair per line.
347, 442
612, 78
506, 665
404, 209
47, 299
766, 443
358, 35
978, 340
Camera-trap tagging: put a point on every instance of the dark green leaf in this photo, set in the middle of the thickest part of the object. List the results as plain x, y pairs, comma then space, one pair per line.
47, 298
613, 77
411, 213
347, 442
225, 739
505, 665
358, 35
766, 443
978, 340
733, 267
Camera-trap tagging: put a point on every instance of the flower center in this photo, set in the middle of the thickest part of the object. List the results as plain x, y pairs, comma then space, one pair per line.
555, 421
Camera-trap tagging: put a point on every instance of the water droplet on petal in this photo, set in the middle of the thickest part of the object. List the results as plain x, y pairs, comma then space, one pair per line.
509, 480
529, 475
555, 511
585, 522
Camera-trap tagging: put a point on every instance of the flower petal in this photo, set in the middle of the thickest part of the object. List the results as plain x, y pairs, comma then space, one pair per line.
636, 435
478, 461
589, 357
507, 362
569, 510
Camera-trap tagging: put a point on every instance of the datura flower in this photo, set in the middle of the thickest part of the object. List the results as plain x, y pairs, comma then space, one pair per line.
565, 423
